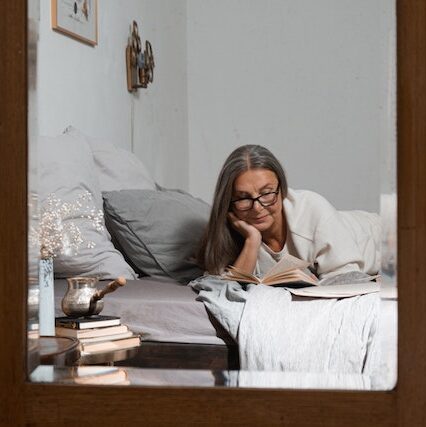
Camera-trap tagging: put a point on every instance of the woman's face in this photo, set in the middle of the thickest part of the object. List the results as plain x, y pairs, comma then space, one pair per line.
254, 183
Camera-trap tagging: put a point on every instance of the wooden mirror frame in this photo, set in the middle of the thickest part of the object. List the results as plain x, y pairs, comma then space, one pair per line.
23, 403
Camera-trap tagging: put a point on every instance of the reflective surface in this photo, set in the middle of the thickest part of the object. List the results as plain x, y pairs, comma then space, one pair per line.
223, 115
120, 376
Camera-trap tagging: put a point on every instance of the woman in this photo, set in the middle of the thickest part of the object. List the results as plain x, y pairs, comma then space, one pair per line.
255, 219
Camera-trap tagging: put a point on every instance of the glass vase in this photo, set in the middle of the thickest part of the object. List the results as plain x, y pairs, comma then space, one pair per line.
47, 300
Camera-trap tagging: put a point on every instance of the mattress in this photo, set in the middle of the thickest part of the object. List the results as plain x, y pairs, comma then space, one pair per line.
159, 309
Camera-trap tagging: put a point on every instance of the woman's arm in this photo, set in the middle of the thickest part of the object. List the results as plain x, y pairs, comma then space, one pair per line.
319, 235
337, 250
247, 259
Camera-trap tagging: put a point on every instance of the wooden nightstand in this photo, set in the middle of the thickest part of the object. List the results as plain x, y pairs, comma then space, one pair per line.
64, 351
107, 357
59, 351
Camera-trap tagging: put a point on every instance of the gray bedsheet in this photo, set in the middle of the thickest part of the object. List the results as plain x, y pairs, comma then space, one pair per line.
160, 310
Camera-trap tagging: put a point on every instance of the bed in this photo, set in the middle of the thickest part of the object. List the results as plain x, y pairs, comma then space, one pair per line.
149, 237
177, 331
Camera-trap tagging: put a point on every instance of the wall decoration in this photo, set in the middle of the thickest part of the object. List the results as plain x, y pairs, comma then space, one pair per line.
76, 18
139, 63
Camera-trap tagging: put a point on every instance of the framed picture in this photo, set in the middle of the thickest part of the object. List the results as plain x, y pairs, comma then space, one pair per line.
77, 19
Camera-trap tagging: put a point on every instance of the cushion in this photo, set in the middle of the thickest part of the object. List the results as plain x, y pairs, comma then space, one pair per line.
159, 231
117, 169
365, 228
66, 168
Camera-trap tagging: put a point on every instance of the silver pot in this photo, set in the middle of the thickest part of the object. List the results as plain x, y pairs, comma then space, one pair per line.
83, 298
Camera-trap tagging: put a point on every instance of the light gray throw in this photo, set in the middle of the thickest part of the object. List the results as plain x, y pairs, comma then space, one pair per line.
276, 331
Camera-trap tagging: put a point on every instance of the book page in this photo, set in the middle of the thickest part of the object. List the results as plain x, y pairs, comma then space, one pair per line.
288, 277
286, 263
337, 291
234, 273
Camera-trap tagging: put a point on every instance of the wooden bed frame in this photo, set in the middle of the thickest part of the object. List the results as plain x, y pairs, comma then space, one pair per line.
26, 404
162, 355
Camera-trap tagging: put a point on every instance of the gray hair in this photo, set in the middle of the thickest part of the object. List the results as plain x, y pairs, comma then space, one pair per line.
221, 244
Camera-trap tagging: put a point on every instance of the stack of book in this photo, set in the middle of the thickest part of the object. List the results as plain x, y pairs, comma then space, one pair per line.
100, 375
97, 334
93, 375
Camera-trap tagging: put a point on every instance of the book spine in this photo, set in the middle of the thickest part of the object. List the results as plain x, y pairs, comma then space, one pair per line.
106, 338
92, 332
101, 347
70, 325
87, 325
100, 324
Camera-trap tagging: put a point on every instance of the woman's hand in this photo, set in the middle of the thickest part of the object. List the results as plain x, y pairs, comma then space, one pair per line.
246, 260
246, 230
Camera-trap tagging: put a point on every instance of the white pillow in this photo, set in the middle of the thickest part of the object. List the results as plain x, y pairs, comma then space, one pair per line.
366, 230
66, 168
117, 169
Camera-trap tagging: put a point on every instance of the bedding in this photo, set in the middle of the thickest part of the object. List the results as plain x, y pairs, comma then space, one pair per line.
116, 169
365, 228
158, 231
276, 331
161, 310
66, 168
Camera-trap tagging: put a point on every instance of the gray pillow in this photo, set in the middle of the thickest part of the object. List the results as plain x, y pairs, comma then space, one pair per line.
66, 168
157, 231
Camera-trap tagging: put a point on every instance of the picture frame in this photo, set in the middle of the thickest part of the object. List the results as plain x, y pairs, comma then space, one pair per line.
77, 19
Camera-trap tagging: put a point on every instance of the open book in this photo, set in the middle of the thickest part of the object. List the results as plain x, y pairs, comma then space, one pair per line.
287, 272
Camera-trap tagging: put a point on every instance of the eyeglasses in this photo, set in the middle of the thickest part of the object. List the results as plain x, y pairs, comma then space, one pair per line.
265, 200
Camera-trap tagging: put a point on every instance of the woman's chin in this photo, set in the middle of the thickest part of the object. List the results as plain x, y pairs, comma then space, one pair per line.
261, 226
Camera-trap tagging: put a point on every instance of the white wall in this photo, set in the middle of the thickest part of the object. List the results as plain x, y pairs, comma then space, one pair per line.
161, 122
311, 80
86, 86
308, 79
